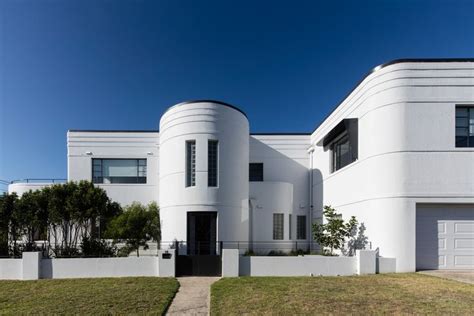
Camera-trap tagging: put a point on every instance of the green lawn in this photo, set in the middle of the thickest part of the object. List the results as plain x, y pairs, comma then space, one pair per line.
88, 296
377, 294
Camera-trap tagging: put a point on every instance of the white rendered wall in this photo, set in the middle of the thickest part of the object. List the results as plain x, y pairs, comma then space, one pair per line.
11, 269
297, 266
201, 122
407, 152
98, 267
267, 198
286, 183
133, 145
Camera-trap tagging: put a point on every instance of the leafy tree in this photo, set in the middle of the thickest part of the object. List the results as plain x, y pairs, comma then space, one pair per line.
8, 204
31, 217
137, 225
333, 233
77, 210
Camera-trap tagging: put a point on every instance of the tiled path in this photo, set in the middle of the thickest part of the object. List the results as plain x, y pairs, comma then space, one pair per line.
193, 297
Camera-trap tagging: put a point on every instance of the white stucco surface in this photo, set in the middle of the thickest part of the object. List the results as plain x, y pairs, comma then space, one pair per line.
407, 157
11, 269
98, 267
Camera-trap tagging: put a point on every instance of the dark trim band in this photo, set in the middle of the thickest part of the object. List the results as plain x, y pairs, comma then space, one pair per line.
393, 62
207, 101
112, 131
280, 134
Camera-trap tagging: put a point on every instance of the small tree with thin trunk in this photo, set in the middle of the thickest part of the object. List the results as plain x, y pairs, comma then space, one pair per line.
332, 234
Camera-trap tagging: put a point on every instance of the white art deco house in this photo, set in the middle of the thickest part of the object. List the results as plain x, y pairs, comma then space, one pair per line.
397, 153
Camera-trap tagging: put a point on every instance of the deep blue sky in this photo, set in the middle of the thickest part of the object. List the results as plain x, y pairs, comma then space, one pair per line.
120, 64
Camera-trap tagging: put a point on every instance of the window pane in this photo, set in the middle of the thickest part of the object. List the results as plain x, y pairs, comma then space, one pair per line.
461, 122
461, 112
119, 168
278, 226
212, 163
289, 226
465, 126
461, 141
342, 153
118, 171
256, 172
461, 131
301, 227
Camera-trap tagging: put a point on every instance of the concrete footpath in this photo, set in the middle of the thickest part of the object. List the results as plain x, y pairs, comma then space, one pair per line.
193, 297
466, 276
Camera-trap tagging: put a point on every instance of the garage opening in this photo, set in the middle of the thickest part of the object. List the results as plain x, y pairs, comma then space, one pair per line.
444, 237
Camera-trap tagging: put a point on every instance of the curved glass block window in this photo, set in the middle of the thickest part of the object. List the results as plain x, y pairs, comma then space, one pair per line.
119, 170
190, 163
278, 230
464, 126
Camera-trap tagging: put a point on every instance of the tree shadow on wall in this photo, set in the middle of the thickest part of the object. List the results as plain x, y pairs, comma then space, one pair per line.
356, 241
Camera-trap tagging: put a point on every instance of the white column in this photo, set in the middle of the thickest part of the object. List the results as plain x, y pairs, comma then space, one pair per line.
31, 263
366, 261
166, 263
230, 262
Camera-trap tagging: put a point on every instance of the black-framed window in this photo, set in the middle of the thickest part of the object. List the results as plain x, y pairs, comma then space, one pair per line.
465, 126
300, 227
278, 228
256, 171
119, 170
190, 163
341, 152
212, 162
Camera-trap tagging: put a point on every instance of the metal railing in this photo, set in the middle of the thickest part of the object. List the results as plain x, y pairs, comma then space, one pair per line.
264, 248
39, 180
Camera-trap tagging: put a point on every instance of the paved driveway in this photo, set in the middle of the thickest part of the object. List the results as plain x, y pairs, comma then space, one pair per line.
466, 276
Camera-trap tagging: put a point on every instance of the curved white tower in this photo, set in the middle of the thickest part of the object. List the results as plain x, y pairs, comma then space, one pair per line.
204, 186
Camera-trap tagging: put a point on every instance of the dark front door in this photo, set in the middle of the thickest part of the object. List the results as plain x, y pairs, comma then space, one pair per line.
201, 231
201, 256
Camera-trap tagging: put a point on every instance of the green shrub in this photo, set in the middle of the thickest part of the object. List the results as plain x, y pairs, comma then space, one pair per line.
92, 247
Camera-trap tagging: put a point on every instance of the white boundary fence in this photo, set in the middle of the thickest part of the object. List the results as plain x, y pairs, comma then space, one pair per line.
365, 262
33, 267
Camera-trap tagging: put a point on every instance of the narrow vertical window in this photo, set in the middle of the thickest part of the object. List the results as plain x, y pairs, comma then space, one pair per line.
212, 163
278, 230
289, 227
190, 163
301, 227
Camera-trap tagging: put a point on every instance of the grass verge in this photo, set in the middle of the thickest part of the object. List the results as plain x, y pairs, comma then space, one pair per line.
377, 294
137, 295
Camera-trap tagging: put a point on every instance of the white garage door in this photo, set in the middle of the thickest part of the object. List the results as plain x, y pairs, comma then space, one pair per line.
445, 237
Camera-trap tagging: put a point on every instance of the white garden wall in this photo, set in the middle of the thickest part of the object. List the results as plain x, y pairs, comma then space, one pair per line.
98, 267
33, 267
297, 266
11, 269
365, 262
